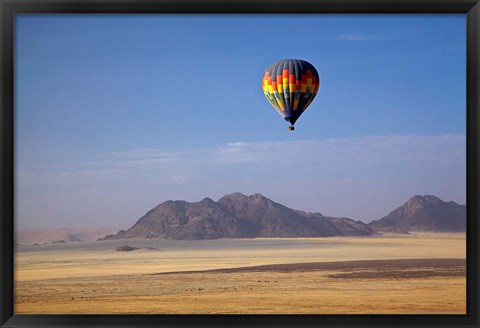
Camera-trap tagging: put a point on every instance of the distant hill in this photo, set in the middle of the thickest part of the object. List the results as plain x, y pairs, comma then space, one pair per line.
59, 235
423, 213
236, 216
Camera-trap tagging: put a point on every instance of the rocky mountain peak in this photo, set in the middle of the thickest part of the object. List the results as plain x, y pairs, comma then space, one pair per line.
423, 213
207, 201
238, 197
425, 200
258, 199
233, 197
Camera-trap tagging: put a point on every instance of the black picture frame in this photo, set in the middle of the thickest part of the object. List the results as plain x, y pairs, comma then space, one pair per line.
8, 8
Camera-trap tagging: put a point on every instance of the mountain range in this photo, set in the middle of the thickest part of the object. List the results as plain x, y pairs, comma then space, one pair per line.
240, 216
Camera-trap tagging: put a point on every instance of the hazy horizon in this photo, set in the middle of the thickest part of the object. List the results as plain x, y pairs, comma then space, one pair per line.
115, 114
105, 229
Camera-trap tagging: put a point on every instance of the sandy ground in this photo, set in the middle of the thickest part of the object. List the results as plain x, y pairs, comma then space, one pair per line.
421, 273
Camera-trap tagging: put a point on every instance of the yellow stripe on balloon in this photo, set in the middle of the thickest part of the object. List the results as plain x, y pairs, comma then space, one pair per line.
266, 88
292, 87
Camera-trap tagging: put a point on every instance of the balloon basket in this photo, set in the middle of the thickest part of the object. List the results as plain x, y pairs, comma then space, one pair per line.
291, 128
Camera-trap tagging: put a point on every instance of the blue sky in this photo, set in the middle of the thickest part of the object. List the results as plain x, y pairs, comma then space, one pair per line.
117, 113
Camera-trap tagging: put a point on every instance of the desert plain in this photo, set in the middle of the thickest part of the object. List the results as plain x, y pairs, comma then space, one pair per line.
417, 273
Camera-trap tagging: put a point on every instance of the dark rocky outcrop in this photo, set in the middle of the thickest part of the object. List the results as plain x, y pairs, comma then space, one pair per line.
125, 248
128, 248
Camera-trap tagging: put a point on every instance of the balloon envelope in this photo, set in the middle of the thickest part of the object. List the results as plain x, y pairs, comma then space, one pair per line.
290, 86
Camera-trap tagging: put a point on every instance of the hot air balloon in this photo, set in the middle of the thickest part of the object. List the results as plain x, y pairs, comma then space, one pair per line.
290, 86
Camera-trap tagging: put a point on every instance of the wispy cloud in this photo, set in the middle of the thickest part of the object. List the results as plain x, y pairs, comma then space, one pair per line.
366, 150
350, 154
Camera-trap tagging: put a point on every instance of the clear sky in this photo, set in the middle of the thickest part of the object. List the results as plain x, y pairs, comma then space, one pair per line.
115, 114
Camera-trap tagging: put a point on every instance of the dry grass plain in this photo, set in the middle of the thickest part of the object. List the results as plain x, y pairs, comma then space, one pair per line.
336, 275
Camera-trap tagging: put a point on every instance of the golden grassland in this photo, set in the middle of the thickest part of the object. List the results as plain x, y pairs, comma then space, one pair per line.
94, 278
